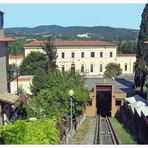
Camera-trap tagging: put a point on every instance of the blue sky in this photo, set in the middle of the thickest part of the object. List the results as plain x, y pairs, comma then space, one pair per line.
32, 15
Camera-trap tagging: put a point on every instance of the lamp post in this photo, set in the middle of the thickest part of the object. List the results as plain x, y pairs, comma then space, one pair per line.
71, 93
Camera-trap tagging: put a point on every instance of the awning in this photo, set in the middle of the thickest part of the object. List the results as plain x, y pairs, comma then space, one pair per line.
9, 98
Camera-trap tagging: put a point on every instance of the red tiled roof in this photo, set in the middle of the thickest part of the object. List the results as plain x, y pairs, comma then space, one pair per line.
145, 42
37, 43
23, 79
126, 55
15, 57
6, 39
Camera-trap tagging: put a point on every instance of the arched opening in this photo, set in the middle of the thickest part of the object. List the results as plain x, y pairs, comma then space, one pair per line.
82, 68
63, 68
125, 67
101, 68
91, 68
73, 67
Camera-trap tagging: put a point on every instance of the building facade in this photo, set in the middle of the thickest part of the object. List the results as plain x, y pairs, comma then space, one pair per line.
4, 53
87, 57
22, 82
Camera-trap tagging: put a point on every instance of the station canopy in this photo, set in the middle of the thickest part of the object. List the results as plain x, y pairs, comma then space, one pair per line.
138, 104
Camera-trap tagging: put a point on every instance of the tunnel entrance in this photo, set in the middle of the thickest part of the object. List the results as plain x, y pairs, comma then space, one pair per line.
103, 100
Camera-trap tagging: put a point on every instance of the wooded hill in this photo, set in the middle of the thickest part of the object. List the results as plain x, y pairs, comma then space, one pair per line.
95, 33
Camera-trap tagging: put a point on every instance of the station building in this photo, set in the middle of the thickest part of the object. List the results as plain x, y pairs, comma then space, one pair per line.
87, 57
107, 95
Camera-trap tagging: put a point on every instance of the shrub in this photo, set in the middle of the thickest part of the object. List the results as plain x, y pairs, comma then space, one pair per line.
35, 132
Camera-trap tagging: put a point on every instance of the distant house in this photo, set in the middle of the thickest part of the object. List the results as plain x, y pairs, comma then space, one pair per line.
17, 60
84, 35
22, 82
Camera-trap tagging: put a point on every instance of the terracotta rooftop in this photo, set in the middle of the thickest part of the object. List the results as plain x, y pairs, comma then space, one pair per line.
24, 78
6, 39
126, 55
37, 43
15, 57
145, 42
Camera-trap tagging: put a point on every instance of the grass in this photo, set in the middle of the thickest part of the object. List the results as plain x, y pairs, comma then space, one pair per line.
124, 135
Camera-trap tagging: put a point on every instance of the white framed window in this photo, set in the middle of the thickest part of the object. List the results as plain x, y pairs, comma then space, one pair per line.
82, 54
101, 68
63, 55
63, 68
82, 68
73, 55
92, 54
125, 67
91, 68
111, 54
101, 54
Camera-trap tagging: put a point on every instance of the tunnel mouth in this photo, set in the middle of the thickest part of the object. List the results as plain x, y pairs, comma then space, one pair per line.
103, 102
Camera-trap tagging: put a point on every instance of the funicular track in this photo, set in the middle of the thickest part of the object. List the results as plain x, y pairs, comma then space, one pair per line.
105, 133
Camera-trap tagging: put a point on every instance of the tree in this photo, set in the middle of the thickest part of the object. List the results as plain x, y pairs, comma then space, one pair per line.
51, 54
51, 94
16, 48
127, 47
32, 62
112, 70
142, 52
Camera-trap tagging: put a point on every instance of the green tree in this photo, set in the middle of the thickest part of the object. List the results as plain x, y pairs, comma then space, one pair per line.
32, 62
51, 54
51, 94
142, 52
126, 47
112, 70
16, 48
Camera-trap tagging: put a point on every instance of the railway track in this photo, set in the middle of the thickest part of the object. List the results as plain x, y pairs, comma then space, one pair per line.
105, 133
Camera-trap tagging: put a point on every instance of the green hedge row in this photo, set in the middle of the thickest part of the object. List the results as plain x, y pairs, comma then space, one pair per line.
34, 132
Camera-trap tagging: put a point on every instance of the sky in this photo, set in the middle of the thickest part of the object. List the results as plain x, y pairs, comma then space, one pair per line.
32, 15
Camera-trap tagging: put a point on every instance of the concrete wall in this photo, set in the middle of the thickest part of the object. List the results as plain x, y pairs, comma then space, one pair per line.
3, 62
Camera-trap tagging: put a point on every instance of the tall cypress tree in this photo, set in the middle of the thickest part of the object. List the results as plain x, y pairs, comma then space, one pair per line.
142, 51
51, 54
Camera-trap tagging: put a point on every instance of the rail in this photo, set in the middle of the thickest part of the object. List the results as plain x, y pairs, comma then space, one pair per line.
105, 133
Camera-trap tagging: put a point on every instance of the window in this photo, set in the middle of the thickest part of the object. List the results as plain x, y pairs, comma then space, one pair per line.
91, 68
92, 54
101, 68
111, 54
63, 55
82, 54
63, 68
101, 54
118, 102
133, 67
125, 67
82, 68
72, 54
73, 67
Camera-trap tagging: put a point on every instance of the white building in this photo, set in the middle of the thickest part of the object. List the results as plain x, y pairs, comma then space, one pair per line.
17, 60
84, 35
89, 57
23, 82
